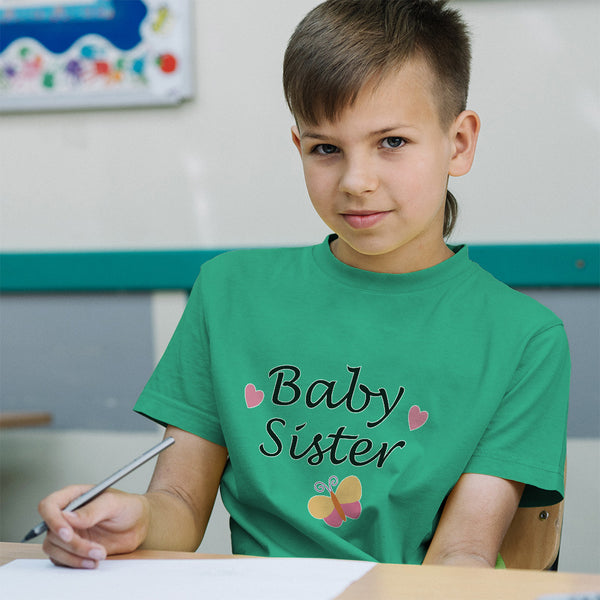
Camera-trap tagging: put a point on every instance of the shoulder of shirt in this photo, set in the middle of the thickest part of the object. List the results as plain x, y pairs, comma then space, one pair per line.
253, 256
252, 263
517, 304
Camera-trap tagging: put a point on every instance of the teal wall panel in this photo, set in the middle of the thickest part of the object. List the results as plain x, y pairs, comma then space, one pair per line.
532, 265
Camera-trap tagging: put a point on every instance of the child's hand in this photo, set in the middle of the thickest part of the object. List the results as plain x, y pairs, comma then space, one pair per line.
113, 523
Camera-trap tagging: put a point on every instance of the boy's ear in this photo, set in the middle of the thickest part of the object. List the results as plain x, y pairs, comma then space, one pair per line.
464, 131
296, 138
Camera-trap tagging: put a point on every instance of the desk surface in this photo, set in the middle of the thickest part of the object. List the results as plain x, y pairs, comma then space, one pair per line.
413, 582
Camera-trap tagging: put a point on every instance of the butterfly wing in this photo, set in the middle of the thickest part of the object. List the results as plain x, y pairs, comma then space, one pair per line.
352, 510
320, 507
349, 490
333, 519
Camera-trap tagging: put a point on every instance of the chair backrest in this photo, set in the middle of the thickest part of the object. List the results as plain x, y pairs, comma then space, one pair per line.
533, 538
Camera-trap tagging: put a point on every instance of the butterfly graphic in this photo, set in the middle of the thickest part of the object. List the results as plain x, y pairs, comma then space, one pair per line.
339, 505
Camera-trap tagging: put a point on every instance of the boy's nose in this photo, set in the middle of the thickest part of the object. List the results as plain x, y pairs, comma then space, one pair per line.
358, 178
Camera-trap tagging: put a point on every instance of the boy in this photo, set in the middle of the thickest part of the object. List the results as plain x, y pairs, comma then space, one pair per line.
377, 396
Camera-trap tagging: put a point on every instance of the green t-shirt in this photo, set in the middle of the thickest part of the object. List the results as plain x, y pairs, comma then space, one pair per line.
351, 402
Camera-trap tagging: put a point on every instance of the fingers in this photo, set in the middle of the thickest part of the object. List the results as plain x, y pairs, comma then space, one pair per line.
65, 541
71, 550
113, 523
51, 508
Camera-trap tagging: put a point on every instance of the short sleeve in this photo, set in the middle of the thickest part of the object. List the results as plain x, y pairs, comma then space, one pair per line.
179, 391
526, 439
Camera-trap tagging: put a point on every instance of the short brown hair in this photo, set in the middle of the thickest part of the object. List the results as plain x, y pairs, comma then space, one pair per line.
341, 45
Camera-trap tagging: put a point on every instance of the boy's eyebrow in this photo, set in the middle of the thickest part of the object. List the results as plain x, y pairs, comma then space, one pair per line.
317, 135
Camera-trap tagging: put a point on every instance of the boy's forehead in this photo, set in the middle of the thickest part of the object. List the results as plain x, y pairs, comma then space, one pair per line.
405, 91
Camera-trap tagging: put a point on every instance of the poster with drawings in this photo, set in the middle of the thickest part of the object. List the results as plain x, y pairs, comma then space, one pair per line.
66, 54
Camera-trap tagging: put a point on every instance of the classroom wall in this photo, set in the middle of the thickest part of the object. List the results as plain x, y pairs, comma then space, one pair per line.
220, 171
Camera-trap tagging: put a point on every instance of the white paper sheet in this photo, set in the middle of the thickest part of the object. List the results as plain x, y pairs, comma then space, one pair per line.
222, 579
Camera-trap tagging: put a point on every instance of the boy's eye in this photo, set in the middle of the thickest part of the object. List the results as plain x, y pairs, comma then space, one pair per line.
325, 149
393, 142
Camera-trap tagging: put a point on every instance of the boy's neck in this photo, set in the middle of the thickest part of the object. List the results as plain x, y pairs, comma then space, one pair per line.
403, 260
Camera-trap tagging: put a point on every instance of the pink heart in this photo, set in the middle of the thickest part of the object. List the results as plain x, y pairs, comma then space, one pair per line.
253, 396
417, 417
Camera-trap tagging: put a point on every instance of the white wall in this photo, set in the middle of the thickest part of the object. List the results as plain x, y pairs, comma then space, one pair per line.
536, 86
220, 170
217, 171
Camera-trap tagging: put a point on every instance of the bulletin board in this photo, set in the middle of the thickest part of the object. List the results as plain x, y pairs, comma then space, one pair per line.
66, 54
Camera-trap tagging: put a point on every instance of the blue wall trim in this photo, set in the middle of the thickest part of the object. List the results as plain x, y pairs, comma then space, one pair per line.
528, 265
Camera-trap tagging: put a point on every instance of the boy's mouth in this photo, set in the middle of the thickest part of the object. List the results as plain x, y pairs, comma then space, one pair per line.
364, 219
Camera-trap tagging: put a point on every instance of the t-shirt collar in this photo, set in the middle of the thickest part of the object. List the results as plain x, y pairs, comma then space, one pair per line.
451, 268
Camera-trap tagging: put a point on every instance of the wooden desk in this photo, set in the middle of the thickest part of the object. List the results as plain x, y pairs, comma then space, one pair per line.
24, 419
410, 582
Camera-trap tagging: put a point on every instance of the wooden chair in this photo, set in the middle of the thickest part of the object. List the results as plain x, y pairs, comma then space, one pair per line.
533, 538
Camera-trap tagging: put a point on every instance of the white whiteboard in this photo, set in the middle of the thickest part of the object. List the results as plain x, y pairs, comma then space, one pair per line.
220, 170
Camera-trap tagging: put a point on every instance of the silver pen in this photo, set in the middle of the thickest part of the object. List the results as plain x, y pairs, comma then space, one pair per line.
103, 485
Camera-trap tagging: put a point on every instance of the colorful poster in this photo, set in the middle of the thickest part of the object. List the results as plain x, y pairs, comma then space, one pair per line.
66, 54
